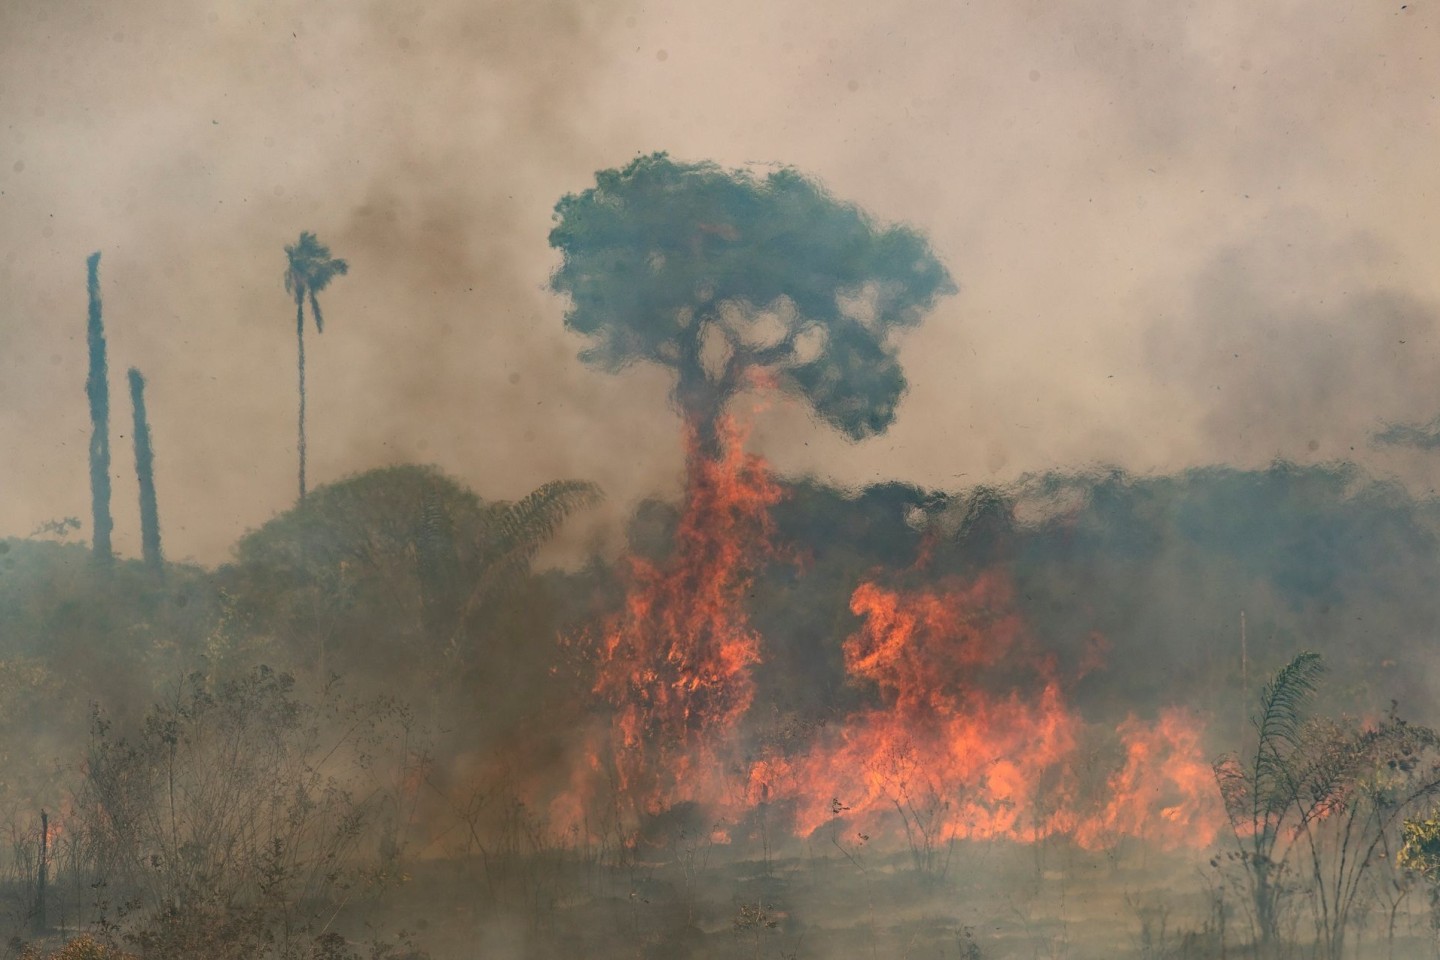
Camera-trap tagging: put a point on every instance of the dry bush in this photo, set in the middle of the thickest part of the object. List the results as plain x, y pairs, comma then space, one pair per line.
238, 820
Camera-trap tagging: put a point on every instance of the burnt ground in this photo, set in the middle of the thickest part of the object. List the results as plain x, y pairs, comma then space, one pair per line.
818, 902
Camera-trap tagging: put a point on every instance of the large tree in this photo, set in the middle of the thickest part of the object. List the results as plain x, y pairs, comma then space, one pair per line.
309, 270
726, 277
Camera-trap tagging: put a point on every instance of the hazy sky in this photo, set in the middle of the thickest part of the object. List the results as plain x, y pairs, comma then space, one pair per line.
1184, 232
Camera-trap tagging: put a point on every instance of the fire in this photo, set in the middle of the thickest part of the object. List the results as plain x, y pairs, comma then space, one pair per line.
941, 736
1165, 791
55, 828
973, 737
967, 733
674, 663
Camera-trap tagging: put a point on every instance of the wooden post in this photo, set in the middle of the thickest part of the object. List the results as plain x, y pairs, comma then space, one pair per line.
43, 872
1244, 658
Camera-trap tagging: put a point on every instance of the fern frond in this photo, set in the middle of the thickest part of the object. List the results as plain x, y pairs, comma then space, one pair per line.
1234, 786
1283, 701
512, 534
435, 554
523, 527
1279, 723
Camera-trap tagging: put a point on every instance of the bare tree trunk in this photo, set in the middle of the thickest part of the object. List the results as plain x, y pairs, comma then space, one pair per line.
145, 475
300, 342
97, 390
42, 874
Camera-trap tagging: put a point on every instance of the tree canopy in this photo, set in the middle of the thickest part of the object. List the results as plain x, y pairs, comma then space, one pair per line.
309, 268
726, 276
392, 558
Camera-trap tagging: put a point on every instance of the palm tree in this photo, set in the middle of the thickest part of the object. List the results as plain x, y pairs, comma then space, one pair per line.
309, 271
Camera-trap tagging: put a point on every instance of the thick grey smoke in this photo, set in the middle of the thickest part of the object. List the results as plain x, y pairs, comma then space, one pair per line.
191, 143
1286, 348
1082, 166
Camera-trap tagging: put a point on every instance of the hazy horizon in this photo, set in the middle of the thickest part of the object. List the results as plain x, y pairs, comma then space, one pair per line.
1184, 234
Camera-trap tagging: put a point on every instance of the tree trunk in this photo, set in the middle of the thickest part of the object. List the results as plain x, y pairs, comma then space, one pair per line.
1265, 906
43, 874
300, 342
97, 390
145, 475
701, 402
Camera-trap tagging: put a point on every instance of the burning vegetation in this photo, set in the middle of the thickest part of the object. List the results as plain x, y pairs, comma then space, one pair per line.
789, 721
727, 279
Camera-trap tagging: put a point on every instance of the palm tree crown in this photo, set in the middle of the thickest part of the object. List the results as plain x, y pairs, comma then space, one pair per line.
310, 270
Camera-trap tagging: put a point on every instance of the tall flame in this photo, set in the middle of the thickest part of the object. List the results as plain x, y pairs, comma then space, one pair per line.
971, 722
674, 663
967, 733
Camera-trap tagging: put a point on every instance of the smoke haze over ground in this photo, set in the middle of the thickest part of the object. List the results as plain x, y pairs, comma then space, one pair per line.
1184, 233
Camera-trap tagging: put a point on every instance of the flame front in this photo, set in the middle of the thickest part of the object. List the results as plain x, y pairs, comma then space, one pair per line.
973, 737
971, 726
967, 732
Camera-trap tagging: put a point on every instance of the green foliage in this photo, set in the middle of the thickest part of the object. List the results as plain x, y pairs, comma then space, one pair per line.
1283, 699
59, 529
1264, 793
1320, 798
309, 270
1420, 850
392, 563
510, 535
1277, 722
111, 633
721, 275
355, 524
1162, 567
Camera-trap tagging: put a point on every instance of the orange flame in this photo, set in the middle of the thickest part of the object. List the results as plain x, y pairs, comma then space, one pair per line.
968, 733
674, 664
941, 740
974, 738
1165, 792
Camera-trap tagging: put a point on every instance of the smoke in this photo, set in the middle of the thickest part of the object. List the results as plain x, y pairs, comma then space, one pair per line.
417, 140
1193, 240
1288, 347
1077, 165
